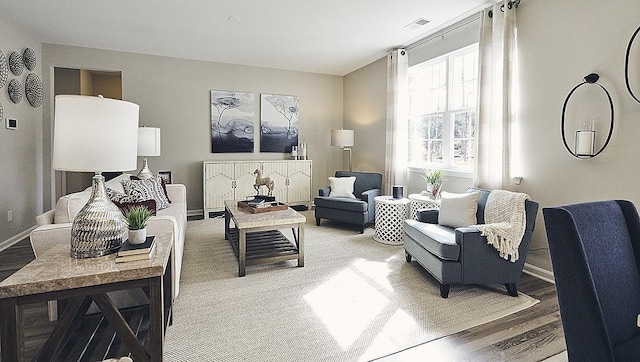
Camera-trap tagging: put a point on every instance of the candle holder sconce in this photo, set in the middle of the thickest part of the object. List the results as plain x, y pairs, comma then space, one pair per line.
626, 65
584, 146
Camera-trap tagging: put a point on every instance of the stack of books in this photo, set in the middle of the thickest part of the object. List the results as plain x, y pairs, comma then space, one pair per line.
131, 252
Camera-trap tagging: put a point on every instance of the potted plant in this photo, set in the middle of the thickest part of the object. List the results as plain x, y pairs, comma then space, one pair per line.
137, 217
434, 179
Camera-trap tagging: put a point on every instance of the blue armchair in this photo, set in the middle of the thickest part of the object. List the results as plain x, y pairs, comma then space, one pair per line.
595, 248
359, 211
462, 255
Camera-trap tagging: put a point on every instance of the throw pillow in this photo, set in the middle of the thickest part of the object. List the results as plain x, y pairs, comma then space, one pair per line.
126, 206
342, 186
162, 182
140, 190
458, 210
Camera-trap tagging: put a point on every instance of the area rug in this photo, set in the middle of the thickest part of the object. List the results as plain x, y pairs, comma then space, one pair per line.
354, 300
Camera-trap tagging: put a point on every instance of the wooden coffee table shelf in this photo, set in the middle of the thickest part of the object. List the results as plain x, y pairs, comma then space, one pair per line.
256, 238
265, 247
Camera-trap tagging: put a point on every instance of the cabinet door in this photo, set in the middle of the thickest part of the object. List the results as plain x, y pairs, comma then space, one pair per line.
218, 184
277, 171
245, 179
299, 174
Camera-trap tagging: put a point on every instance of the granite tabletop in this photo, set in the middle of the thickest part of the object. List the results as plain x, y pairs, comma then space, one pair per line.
56, 270
245, 219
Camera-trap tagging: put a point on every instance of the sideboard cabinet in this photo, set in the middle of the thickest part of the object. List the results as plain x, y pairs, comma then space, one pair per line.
234, 180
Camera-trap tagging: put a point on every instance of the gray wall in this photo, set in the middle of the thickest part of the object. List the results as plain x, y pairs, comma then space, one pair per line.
174, 94
20, 150
559, 43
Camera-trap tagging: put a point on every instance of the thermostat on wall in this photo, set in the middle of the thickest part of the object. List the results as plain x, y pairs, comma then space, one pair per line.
12, 123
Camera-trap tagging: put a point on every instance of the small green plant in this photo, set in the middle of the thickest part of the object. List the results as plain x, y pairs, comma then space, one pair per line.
137, 217
433, 177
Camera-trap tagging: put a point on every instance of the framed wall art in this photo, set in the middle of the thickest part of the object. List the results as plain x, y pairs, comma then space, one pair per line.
232, 122
278, 122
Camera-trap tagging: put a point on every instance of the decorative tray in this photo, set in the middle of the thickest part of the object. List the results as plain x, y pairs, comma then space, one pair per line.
269, 206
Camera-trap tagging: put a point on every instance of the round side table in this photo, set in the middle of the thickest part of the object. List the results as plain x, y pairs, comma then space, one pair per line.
419, 202
390, 214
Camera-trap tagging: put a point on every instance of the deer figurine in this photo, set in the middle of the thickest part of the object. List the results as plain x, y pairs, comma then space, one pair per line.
266, 181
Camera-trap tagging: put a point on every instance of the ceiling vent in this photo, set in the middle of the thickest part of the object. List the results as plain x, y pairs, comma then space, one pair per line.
416, 24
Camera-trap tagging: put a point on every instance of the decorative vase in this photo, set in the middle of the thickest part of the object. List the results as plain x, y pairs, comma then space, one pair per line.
137, 236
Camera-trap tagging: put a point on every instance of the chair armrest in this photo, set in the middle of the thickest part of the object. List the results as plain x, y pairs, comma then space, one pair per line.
324, 191
46, 218
368, 195
45, 237
428, 216
481, 262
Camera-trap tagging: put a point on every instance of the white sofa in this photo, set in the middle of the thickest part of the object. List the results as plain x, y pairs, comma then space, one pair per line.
54, 226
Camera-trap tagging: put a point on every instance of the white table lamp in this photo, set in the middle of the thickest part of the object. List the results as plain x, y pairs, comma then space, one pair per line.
343, 138
95, 134
148, 145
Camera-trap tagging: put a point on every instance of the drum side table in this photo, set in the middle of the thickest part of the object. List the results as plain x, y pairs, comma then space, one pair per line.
419, 202
390, 214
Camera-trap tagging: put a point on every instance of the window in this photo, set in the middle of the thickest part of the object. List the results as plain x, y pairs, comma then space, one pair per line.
442, 121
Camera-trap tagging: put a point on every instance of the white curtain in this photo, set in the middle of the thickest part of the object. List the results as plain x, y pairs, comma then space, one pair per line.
397, 119
497, 96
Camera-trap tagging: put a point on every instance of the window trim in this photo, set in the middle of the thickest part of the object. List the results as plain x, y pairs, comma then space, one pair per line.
448, 123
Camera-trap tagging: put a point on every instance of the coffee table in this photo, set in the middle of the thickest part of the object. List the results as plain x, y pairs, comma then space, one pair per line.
256, 238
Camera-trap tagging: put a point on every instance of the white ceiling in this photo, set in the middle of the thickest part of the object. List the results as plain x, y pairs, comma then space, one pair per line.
322, 36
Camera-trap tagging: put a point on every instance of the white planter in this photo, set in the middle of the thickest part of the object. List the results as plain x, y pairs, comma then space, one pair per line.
137, 236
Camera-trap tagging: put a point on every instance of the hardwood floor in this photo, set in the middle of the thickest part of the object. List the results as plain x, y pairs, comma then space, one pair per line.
533, 334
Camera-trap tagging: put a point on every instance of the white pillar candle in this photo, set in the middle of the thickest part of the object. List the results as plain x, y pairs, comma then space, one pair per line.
585, 141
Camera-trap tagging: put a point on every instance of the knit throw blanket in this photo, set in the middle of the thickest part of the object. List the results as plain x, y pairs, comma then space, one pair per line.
505, 222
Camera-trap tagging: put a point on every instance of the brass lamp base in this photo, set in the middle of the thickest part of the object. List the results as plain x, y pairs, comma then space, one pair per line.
99, 228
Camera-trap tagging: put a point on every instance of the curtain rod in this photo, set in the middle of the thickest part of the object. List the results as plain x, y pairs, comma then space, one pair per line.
510, 5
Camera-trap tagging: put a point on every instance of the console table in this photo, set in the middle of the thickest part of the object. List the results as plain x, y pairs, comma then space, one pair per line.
56, 276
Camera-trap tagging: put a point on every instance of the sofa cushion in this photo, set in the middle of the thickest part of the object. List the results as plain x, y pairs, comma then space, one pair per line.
341, 203
437, 239
140, 190
458, 210
341, 187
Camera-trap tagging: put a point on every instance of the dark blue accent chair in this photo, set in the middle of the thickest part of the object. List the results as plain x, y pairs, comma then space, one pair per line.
595, 248
462, 255
359, 211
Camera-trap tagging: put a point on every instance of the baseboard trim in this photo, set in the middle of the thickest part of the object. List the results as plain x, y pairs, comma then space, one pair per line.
198, 212
15, 239
539, 273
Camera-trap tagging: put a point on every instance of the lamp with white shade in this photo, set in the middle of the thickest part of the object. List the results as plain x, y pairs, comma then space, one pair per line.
95, 134
345, 139
148, 145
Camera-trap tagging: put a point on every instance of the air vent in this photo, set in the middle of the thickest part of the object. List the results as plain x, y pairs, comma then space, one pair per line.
416, 24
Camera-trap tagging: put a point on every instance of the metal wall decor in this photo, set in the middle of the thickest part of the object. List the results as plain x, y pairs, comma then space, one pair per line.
589, 79
15, 63
1, 112
14, 89
4, 70
626, 65
33, 90
29, 58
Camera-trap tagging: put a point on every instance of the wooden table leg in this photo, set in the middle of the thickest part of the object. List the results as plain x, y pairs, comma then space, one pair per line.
242, 251
11, 334
227, 221
301, 245
156, 316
